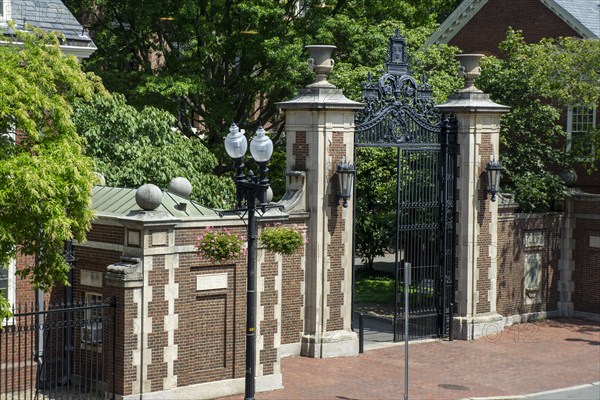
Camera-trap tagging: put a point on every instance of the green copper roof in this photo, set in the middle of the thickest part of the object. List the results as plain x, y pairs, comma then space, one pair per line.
120, 202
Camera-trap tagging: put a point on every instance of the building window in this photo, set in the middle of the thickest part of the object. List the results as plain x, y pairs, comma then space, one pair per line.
580, 120
5, 8
8, 284
92, 330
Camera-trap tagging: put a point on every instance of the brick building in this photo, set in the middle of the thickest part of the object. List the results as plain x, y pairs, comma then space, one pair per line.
547, 264
478, 27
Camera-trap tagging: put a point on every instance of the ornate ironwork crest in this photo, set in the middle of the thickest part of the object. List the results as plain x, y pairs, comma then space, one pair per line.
398, 108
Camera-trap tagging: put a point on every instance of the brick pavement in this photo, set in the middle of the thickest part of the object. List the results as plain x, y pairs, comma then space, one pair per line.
525, 358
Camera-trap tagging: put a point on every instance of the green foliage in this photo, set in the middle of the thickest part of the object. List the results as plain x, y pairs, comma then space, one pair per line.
45, 180
374, 289
211, 63
219, 245
539, 81
376, 202
133, 147
222, 61
208, 62
281, 239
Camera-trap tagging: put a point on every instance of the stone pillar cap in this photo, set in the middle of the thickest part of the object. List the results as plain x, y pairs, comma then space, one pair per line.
472, 101
320, 98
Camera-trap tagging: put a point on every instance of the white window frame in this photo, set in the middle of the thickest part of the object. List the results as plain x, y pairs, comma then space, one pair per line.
89, 321
11, 289
5, 10
573, 122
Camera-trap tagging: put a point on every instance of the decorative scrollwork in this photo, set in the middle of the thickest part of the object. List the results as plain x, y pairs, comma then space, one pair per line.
398, 109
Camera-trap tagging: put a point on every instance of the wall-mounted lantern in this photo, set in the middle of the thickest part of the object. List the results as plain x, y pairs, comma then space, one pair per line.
494, 172
345, 173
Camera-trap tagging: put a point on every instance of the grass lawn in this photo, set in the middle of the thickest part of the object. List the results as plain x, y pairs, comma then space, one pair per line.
374, 289
379, 288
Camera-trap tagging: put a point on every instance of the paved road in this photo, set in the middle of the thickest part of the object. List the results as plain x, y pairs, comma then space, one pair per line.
585, 392
580, 392
528, 358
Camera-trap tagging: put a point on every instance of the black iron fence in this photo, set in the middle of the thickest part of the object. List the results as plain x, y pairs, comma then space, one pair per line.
63, 351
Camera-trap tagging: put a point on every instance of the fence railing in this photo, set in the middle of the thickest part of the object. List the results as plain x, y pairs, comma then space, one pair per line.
60, 351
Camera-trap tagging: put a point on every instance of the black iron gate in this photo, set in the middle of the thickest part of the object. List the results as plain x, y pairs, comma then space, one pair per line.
400, 115
62, 351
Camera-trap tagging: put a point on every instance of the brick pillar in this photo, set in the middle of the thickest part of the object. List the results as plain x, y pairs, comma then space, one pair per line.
477, 220
146, 275
566, 264
320, 134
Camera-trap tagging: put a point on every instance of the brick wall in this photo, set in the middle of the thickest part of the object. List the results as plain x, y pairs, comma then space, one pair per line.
335, 250
292, 299
211, 332
484, 238
300, 151
586, 276
268, 300
513, 231
488, 27
106, 234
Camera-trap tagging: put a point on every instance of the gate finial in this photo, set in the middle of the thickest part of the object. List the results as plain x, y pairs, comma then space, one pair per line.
397, 63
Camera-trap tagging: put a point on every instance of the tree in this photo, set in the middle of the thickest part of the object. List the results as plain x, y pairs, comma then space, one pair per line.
215, 62
133, 147
539, 81
375, 203
45, 180
210, 63
224, 61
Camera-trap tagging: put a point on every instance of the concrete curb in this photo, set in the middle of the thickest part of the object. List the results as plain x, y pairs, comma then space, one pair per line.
527, 396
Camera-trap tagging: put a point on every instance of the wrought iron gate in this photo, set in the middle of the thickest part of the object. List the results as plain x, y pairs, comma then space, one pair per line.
400, 115
64, 351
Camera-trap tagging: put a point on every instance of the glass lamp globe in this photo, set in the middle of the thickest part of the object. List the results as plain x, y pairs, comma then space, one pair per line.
236, 143
261, 146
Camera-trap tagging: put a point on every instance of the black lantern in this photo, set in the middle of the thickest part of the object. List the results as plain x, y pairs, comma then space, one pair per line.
494, 171
345, 172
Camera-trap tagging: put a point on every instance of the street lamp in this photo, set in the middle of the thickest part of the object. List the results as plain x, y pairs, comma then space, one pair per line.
494, 170
249, 188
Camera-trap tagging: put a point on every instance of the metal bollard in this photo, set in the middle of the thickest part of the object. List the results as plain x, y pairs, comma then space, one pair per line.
361, 334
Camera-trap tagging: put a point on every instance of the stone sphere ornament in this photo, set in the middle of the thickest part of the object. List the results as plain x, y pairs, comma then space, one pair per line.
148, 197
181, 187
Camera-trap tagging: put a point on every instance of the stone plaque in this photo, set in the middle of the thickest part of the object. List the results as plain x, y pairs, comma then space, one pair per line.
595, 242
133, 238
533, 278
534, 239
159, 238
91, 278
211, 281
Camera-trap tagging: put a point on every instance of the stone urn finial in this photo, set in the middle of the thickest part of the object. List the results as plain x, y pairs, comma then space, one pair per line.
321, 62
469, 69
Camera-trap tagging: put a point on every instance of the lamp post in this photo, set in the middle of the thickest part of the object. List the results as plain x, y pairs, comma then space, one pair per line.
249, 189
494, 171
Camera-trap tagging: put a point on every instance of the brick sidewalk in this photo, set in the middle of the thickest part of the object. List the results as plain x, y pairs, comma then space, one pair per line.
526, 358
